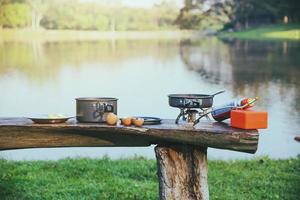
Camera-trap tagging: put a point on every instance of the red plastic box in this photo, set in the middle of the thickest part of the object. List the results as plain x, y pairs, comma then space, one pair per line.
249, 119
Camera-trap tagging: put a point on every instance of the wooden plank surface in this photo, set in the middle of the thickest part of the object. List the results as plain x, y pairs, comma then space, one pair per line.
16, 133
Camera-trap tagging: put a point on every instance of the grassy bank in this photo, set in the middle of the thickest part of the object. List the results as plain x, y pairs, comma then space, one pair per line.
136, 179
291, 32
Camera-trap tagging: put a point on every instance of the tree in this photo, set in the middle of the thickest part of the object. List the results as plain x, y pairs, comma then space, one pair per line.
80, 15
38, 8
14, 15
164, 13
237, 13
201, 14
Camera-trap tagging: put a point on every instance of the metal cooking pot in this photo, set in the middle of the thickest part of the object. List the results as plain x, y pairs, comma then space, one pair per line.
192, 100
95, 109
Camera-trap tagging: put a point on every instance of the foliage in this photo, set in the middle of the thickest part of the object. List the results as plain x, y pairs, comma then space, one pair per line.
14, 15
136, 179
38, 9
107, 16
76, 15
201, 14
236, 14
91, 16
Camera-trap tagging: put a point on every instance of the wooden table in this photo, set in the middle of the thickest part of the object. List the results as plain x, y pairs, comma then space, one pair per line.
181, 150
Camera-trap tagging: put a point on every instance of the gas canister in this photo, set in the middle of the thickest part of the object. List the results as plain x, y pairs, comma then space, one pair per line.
223, 112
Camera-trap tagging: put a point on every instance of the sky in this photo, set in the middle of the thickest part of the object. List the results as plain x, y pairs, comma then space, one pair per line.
139, 3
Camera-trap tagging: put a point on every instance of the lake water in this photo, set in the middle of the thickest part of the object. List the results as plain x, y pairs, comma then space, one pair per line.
45, 77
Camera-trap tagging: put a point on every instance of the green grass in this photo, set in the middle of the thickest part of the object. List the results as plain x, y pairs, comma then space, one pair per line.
291, 32
136, 179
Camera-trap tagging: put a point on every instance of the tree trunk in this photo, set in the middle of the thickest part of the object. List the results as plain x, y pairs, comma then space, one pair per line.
247, 23
182, 172
33, 16
113, 24
36, 18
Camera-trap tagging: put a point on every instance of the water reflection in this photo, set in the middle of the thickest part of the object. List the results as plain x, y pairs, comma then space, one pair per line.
47, 76
42, 60
209, 57
250, 68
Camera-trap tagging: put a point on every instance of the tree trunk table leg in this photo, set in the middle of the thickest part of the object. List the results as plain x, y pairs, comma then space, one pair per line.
182, 172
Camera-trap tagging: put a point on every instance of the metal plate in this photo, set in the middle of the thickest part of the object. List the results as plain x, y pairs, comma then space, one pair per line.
44, 119
150, 120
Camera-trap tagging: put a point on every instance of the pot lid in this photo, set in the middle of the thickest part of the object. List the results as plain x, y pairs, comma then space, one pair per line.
190, 96
96, 99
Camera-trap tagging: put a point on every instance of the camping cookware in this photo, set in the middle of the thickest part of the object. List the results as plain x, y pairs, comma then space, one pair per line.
191, 105
192, 100
95, 109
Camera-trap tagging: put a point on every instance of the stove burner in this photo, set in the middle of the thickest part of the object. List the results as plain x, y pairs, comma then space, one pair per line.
192, 105
191, 115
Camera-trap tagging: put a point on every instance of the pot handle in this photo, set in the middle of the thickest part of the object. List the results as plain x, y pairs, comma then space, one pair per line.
103, 108
108, 108
99, 110
217, 93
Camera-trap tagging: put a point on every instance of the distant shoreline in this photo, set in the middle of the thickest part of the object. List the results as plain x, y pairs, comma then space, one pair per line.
67, 35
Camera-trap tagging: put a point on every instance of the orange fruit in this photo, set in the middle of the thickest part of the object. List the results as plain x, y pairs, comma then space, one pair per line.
126, 121
138, 122
111, 119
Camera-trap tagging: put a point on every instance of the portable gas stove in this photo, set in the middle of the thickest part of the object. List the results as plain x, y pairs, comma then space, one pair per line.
193, 115
192, 107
